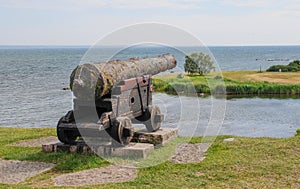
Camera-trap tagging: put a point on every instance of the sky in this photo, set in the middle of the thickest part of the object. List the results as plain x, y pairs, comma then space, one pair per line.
214, 22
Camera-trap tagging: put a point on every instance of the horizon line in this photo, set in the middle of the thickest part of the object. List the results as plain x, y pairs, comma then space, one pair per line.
213, 45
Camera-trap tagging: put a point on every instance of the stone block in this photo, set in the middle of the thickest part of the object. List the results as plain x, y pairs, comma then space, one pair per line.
73, 148
159, 137
143, 146
50, 147
133, 150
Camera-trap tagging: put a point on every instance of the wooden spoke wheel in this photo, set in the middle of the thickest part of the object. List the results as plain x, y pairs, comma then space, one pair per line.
154, 118
121, 130
65, 136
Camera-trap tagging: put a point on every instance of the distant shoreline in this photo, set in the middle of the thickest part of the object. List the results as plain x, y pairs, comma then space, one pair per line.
117, 46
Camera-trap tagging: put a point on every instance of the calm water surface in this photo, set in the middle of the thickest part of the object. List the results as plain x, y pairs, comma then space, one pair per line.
32, 78
253, 117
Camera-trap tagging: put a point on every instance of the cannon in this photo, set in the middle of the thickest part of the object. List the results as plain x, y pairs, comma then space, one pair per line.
110, 97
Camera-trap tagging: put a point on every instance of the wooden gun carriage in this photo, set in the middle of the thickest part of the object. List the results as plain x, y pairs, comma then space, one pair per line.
117, 102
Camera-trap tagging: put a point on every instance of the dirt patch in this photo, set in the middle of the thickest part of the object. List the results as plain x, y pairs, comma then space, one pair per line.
284, 78
35, 142
111, 173
271, 77
13, 171
190, 153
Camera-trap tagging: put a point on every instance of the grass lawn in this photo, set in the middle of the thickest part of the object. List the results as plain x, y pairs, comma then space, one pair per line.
243, 163
234, 82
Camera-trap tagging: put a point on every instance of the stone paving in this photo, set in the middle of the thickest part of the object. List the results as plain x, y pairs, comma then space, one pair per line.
190, 153
14, 171
111, 173
35, 142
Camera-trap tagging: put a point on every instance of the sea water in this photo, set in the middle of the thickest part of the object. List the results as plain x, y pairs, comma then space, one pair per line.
32, 79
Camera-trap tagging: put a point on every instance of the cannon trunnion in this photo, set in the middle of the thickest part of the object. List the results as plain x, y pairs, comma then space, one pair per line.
129, 102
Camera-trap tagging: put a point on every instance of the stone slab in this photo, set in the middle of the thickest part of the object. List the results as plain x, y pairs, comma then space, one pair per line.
140, 147
157, 138
132, 150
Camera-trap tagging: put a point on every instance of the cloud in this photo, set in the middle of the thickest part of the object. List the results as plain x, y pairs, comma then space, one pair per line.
244, 3
265, 4
111, 4
291, 13
36, 4
288, 7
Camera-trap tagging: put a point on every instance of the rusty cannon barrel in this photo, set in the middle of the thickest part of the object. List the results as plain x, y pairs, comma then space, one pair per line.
89, 81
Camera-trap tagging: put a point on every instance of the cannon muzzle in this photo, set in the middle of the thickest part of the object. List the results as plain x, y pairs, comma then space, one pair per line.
93, 81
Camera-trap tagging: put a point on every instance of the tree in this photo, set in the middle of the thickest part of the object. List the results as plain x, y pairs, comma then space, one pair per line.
198, 63
190, 66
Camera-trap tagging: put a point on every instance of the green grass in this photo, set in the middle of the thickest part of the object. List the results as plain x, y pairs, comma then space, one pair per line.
66, 162
212, 84
244, 163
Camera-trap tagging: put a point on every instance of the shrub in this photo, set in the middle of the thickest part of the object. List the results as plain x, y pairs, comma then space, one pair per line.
219, 89
201, 88
291, 67
218, 77
179, 87
295, 62
297, 132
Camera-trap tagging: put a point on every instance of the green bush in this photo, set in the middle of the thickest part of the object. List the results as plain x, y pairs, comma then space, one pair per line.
219, 89
179, 87
201, 88
291, 67
295, 63
169, 88
297, 132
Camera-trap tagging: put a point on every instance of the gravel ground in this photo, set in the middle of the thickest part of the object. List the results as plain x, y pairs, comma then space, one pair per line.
111, 173
190, 153
35, 142
13, 171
